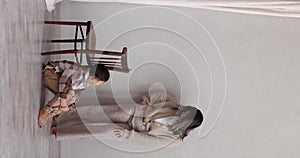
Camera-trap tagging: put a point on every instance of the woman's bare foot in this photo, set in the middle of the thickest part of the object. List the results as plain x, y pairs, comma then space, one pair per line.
44, 115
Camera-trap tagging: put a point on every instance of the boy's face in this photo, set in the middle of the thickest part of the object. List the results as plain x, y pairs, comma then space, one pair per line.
96, 81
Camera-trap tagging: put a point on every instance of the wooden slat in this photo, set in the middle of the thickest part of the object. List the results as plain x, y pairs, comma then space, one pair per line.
67, 40
66, 23
124, 59
118, 69
71, 51
111, 62
101, 52
60, 52
99, 58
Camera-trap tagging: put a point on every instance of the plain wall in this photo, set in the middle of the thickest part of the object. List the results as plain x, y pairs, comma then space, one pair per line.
260, 117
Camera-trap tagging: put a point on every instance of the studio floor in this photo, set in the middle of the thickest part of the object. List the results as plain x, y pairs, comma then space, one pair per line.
22, 94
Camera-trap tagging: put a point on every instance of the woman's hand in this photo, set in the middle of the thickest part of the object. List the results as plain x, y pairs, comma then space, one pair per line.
119, 132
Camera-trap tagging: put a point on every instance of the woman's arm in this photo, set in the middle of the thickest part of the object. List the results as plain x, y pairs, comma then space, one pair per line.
147, 139
155, 102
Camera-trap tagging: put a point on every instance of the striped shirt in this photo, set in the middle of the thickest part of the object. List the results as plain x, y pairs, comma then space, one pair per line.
72, 77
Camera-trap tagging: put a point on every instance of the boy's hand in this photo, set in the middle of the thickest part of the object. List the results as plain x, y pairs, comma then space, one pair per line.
63, 105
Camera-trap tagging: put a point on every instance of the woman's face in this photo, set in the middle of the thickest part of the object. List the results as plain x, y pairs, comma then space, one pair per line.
184, 114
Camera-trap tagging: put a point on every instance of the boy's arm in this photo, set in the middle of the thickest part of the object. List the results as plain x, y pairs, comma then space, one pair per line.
63, 65
65, 83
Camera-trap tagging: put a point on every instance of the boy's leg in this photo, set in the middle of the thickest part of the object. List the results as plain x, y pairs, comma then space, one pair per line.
51, 109
51, 80
51, 83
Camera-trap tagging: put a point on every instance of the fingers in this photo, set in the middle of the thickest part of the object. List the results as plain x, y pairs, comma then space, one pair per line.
119, 132
64, 108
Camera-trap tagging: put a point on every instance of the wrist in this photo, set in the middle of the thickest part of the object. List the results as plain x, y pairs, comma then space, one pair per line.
126, 133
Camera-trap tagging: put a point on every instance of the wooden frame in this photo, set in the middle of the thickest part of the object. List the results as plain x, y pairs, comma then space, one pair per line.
115, 61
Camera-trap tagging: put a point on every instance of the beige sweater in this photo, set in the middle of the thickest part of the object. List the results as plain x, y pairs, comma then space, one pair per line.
158, 105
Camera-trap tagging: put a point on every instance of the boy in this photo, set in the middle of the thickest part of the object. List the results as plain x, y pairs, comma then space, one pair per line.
65, 79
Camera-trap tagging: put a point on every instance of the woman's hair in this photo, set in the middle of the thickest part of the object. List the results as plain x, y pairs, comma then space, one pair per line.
100, 72
192, 120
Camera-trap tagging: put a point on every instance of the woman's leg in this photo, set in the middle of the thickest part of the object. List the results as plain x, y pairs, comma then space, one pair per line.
98, 113
100, 131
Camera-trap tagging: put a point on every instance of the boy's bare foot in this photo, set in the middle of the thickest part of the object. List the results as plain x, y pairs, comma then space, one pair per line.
53, 127
53, 130
44, 114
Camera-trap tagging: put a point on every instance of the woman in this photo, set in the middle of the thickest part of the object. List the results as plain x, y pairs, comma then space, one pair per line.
158, 121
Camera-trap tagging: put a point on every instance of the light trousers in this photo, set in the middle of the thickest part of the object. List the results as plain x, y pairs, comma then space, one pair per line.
99, 121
